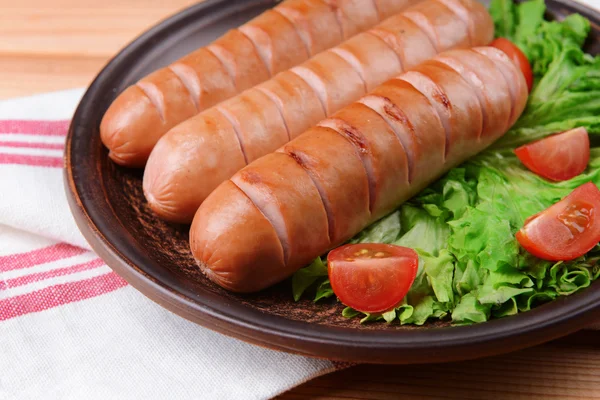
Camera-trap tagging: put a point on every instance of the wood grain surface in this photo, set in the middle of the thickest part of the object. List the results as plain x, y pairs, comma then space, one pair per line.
50, 45
564, 369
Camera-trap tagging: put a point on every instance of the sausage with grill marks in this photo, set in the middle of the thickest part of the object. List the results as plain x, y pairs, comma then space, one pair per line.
380, 150
456, 104
415, 122
440, 27
276, 40
487, 81
399, 126
289, 199
176, 186
478, 20
339, 176
236, 211
515, 80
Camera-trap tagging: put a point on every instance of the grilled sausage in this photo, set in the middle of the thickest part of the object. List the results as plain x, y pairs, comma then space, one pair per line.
178, 178
362, 162
278, 39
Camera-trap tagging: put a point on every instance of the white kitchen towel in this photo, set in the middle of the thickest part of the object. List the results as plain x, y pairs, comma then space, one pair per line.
70, 328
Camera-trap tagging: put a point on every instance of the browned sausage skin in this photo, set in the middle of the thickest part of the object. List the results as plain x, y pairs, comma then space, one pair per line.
356, 15
479, 21
380, 150
396, 134
440, 27
304, 95
386, 8
416, 124
457, 106
275, 41
264, 245
272, 42
339, 176
223, 144
476, 68
515, 80
289, 199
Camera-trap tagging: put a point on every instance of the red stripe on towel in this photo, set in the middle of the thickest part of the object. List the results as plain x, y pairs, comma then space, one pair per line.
36, 127
58, 295
40, 276
39, 256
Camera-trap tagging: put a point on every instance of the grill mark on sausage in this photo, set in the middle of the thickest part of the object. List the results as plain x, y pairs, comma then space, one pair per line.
458, 9
150, 91
439, 97
224, 64
391, 111
304, 40
396, 40
354, 136
279, 228
397, 114
514, 92
304, 163
442, 98
476, 87
421, 21
231, 119
182, 72
302, 73
388, 39
484, 89
277, 103
335, 8
389, 46
360, 144
257, 48
466, 83
250, 176
297, 158
351, 60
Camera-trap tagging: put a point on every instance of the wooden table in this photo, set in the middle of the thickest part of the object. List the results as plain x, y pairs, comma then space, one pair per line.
59, 44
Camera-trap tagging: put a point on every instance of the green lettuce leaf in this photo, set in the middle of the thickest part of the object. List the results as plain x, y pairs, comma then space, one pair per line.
324, 290
440, 273
421, 231
504, 14
463, 226
386, 230
308, 276
530, 17
469, 311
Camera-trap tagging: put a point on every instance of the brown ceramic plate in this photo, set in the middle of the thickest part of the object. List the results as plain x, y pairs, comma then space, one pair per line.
153, 256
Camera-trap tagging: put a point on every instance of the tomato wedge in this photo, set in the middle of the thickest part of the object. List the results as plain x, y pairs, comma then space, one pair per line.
567, 229
558, 157
517, 56
372, 277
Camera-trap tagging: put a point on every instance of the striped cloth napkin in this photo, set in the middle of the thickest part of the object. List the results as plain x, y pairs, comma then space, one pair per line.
70, 328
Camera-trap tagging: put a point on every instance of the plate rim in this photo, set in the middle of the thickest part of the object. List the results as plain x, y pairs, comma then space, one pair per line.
316, 340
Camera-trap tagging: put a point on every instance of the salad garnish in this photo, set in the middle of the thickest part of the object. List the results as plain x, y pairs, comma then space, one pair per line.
471, 266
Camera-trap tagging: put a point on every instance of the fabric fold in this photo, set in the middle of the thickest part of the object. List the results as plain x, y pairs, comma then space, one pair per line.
70, 327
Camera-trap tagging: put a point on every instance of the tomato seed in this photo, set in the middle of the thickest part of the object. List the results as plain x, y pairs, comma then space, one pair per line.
577, 217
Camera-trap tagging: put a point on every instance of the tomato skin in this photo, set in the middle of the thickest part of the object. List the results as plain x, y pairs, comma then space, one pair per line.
517, 56
559, 157
372, 277
565, 230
